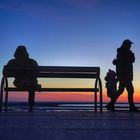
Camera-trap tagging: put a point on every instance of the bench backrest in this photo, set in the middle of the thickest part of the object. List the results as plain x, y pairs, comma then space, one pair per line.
54, 71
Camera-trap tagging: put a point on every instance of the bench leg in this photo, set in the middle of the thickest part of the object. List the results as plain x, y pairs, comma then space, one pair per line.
101, 97
101, 103
95, 102
1, 94
1, 100
6, 101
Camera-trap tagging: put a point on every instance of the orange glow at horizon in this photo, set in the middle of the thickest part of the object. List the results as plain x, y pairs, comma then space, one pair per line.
71, 96
68, 97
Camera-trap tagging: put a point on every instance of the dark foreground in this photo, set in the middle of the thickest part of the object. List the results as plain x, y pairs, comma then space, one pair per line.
70, 125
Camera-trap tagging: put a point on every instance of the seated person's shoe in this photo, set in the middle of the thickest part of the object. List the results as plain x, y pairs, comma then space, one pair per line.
30, 109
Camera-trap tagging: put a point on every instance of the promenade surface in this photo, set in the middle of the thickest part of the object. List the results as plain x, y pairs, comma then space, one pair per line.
69, 125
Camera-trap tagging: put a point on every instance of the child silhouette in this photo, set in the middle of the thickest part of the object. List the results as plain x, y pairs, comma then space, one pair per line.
111, 85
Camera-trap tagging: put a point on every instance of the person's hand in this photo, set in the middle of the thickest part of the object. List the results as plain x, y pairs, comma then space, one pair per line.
114, 62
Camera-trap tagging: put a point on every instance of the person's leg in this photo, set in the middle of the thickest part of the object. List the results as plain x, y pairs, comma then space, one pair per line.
31, 99
110, 105
118, 93
130, 90
112, 92
120, 89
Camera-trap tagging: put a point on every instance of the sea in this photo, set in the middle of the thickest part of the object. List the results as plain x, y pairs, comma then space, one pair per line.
64, 106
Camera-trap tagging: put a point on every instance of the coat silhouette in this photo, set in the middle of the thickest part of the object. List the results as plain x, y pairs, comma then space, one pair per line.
124, 64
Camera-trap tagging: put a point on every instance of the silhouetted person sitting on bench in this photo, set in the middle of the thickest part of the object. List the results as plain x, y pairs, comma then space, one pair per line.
25, 79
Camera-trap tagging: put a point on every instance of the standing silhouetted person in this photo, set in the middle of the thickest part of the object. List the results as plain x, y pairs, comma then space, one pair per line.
124, 69
25, 79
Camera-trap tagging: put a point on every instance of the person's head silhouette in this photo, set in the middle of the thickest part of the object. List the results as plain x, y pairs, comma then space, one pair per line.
21, 52
126, 44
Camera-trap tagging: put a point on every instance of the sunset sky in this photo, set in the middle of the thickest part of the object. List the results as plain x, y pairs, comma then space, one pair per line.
70, 33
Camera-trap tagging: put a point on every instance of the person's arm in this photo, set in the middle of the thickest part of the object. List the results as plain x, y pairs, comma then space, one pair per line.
11, 62
34, 65
132, 57
33, 62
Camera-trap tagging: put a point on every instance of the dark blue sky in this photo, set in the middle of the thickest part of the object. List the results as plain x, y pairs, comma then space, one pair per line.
70, 32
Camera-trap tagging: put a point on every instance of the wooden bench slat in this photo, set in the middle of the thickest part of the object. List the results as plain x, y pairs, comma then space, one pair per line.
68, 69
67, 75
53, 71
58, 89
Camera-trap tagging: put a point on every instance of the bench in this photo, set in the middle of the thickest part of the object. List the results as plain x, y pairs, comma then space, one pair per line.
54, 72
